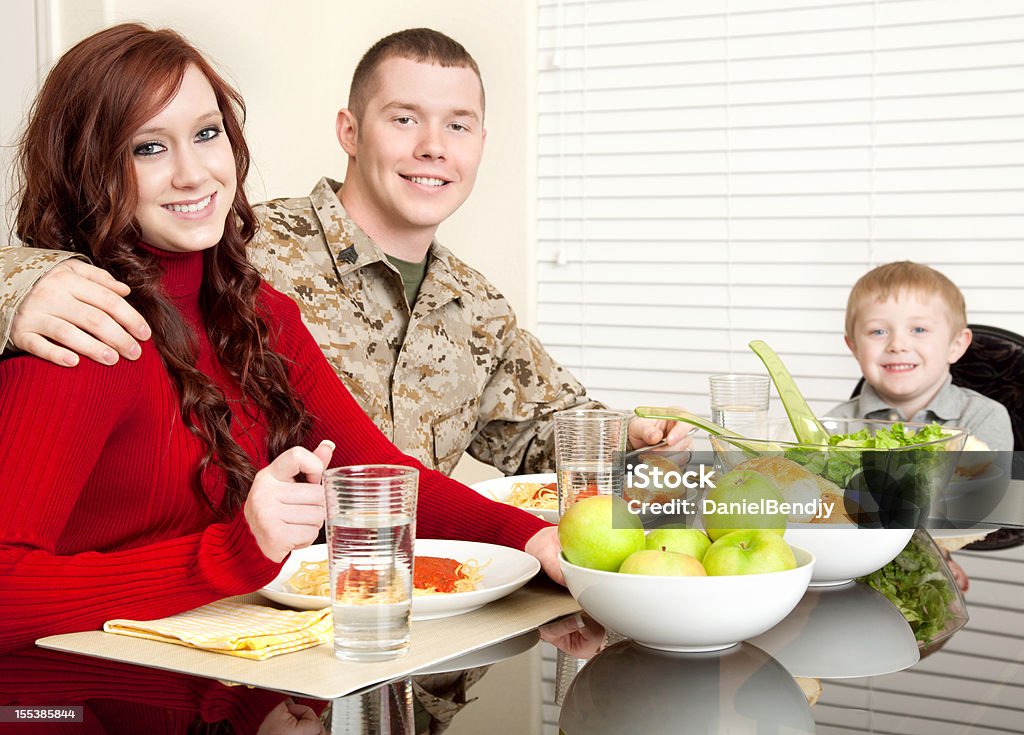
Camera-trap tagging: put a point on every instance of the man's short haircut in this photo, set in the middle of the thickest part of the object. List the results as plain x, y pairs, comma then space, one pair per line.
901, 278
423, 45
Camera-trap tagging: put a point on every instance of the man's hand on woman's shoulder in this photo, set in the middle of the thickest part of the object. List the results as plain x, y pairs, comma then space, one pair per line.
78, 309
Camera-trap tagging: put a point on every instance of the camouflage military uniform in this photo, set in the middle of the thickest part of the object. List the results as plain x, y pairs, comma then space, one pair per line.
20, 268
456, 374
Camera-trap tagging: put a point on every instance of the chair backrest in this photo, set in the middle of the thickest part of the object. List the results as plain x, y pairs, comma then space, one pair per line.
994, 366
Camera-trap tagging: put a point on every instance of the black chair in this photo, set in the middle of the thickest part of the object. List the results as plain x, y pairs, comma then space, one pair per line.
994, 366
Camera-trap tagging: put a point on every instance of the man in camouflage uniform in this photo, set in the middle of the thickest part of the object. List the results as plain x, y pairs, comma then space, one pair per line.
440, 365
453, 373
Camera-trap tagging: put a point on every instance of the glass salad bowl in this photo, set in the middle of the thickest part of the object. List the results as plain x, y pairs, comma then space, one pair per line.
860, 496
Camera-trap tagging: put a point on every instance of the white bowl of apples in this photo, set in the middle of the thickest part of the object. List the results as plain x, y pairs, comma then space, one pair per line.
657, 591
844, 553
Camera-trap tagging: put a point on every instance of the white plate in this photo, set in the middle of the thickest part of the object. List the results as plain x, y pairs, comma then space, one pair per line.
506, 571
499, 488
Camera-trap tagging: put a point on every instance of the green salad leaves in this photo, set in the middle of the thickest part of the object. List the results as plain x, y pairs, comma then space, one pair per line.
916, 583
844, 457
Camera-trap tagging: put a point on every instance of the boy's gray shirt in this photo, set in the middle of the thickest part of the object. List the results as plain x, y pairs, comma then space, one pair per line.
986, 419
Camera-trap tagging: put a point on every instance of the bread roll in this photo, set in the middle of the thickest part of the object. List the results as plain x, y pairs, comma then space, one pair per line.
976, 458
798, 485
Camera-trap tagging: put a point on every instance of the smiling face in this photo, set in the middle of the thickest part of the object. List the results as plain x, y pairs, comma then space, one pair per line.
185, 170
905, 345
415, 151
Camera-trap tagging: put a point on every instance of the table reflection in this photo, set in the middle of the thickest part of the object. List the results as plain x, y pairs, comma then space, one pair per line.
119, 698
850, 638
842, 632
630, 688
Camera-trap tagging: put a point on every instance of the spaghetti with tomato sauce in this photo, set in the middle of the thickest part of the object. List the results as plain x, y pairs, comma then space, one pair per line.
434, 574
431, 575
542, 496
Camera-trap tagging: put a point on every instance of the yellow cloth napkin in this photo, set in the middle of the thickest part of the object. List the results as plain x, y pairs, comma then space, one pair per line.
235, 628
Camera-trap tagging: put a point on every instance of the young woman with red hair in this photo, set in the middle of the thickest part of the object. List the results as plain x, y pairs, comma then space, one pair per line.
132, 491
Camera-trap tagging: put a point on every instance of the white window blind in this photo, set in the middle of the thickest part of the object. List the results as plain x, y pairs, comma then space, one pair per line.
719, 171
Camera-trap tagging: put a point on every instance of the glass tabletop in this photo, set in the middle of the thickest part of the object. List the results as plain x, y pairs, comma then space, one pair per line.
845, 661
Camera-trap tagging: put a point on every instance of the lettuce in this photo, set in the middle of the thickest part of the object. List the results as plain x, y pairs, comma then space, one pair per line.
916, 583
844, 458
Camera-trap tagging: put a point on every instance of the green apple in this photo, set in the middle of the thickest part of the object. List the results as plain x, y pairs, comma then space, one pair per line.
681, 540
749, 552
744, 490
662, 564
599, 532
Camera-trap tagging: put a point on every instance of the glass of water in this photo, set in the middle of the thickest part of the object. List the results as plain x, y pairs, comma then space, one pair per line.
371, 525
388, 709
740, 402
590, 454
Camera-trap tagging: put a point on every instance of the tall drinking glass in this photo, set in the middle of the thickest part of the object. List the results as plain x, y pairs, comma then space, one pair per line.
371, 525
740, 402
387, 710
590, 451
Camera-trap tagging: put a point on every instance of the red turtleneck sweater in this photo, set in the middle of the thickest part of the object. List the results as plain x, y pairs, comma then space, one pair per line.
99, 516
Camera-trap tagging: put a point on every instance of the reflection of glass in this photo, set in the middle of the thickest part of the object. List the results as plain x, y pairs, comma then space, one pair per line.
566, 669
576, 639
631, 689
841, 632
386, 709
590, 449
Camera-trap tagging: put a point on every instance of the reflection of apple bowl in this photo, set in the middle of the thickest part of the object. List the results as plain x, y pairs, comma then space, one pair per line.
890, 487
842, 632
631, 689
843, 553
960, 485
967, 501
689, 613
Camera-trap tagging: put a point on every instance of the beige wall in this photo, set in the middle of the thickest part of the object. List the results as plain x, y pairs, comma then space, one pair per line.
19, 58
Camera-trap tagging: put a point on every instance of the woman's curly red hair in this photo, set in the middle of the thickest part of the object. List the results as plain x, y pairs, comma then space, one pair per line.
77, 191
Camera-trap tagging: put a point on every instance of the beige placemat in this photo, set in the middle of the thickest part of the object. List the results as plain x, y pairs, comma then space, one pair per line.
315, 672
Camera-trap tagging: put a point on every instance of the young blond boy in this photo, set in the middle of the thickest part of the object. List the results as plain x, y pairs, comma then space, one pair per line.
906, 324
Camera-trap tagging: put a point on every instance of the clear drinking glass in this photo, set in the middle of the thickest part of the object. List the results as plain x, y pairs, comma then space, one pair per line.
590, 450
740, 402
371, 526
388, 710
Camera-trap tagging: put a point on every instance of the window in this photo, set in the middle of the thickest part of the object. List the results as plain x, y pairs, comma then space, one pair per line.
716, 172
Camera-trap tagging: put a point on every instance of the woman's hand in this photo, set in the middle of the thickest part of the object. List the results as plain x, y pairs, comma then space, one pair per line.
544, 546
283, 513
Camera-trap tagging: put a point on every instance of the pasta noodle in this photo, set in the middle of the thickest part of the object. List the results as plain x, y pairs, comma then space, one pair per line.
311, 579
431, 575
364, 587
534, 496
